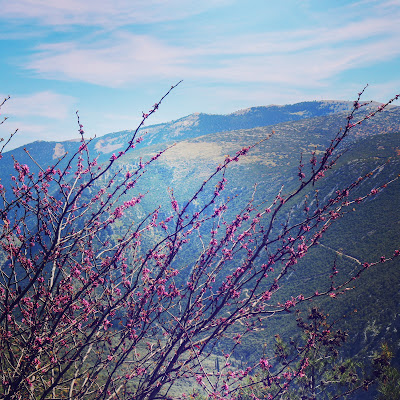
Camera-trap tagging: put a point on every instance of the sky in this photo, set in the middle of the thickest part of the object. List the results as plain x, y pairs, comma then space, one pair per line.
112, 60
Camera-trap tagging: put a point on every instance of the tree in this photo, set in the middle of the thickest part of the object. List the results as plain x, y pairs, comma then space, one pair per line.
387, 375
86, 315
319, 372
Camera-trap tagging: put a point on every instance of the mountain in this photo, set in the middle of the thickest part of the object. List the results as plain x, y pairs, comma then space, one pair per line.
318, 118
192, 126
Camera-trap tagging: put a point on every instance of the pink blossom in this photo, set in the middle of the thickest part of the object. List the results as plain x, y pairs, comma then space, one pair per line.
264, 364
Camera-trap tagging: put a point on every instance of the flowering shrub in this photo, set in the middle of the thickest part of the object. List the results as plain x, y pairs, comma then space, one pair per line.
88, 316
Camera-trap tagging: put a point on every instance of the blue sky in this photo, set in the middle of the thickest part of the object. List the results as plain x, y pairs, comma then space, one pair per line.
111, 60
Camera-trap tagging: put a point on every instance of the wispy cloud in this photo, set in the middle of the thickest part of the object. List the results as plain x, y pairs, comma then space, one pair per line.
106, 13
39, 116
123, 58
41, 104
305, 57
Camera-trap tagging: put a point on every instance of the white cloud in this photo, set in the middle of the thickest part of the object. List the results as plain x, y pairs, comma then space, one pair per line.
105, 13
294, 41
45, 104
342, 39
305, 57
39, 116
124, 58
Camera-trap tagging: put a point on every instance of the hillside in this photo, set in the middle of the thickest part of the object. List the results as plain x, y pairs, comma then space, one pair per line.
371, 230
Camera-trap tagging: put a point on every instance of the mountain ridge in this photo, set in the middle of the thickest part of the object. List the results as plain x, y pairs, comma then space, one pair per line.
198, 124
